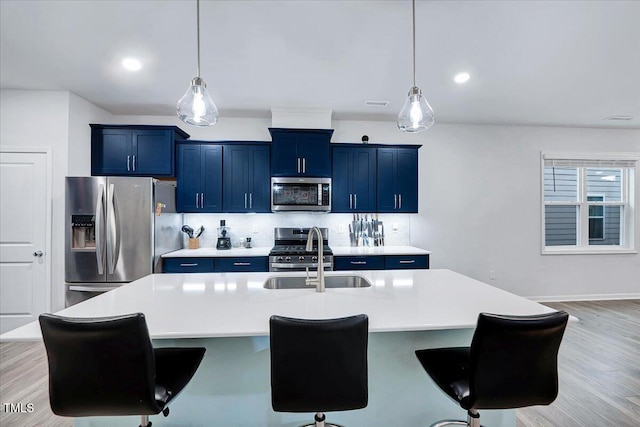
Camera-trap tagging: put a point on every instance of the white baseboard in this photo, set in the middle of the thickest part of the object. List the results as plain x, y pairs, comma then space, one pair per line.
588, 297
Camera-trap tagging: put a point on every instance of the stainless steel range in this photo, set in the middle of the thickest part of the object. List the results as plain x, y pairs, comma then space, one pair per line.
289, 252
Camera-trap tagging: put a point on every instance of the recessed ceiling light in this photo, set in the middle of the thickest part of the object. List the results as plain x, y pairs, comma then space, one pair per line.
461, 78
131, 64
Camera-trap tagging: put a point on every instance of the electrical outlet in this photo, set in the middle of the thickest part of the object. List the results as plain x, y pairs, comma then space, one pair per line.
340, 228
492, 275
255, 229
394, 226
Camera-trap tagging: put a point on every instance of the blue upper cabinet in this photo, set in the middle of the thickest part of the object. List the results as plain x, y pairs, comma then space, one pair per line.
301, 152
398, 180
354, 179
134, 150
246, 178
199, 177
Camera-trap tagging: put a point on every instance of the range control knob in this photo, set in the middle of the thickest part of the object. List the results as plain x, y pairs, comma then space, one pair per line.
287, 259
279, 259
301, 258
314, 258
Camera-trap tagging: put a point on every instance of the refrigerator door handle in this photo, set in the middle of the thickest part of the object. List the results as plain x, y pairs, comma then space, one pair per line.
100, 230
113, 240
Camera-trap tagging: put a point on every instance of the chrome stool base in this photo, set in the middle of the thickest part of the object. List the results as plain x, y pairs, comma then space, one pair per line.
320, 421
473, 420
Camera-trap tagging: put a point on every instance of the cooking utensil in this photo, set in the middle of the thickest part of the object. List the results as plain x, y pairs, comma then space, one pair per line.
199, 232
188, 230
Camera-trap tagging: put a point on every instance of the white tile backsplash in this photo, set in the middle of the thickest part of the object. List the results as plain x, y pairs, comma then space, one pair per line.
260, 227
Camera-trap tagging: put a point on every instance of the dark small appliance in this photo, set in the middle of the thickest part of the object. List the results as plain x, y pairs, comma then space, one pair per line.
224, 242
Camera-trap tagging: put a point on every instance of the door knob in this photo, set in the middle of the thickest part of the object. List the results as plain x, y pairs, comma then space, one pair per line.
37, 254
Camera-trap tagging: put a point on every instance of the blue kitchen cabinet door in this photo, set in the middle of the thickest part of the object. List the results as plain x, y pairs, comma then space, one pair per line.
301, 152
354, 179
341, 182
211, 178
246, 178
397, 170
199, 183
153, 152
110, 151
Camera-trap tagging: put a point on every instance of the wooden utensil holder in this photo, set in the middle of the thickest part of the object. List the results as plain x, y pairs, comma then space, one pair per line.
194, 243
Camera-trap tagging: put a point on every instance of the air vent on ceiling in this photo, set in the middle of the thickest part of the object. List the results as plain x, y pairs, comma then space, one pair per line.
376, 103
620, 118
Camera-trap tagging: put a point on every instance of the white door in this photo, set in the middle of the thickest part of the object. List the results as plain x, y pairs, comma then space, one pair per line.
24, 221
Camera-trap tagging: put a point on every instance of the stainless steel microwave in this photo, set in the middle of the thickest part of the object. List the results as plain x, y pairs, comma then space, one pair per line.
300, 194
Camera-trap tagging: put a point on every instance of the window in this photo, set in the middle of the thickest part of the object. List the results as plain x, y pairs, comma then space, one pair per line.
588, 202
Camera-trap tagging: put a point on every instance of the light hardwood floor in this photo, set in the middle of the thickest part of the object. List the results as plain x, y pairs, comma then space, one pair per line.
599, 367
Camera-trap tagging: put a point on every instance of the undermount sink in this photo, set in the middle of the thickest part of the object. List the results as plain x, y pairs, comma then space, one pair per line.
298, 282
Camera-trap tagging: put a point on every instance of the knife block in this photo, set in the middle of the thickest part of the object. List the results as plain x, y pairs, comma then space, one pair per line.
194, 243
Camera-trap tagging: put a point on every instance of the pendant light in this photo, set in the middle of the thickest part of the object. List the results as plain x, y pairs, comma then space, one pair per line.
416, 114
196, 106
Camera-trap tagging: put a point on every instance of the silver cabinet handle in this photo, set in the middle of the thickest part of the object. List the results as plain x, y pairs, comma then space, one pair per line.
350, 201
134, 162
197, 200
191, 264
359, 262
304, 165
245, 200
407, 261
399, 201
298, 159
395, 201
100, 230
250, 200
37, 254
242, 264
355, 201
128, 163
202, 200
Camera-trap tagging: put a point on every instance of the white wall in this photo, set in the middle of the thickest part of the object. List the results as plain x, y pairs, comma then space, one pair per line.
56, 120
480, 210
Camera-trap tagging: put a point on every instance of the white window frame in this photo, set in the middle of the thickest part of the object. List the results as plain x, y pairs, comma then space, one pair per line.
602, 217
629, 199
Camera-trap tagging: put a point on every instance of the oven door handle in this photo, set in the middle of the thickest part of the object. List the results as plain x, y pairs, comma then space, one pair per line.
300, 267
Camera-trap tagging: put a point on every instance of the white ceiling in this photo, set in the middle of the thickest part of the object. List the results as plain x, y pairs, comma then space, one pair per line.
568, 63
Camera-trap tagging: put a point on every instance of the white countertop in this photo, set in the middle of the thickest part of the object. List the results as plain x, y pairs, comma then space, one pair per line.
213, 252
196, 305
264, 251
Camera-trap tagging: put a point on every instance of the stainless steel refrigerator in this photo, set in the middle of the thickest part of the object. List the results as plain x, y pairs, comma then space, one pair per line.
116, 230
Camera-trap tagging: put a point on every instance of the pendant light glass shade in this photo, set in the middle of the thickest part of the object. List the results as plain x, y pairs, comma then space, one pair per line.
416, 114
196, 106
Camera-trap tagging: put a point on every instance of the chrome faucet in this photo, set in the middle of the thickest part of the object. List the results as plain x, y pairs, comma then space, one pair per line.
319, 280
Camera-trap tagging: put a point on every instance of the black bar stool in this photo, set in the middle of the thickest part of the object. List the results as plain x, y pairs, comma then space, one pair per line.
107, 366
512, 363
319, 365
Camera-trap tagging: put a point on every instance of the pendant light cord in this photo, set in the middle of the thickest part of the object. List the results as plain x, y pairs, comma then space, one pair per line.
198, 32
414, 41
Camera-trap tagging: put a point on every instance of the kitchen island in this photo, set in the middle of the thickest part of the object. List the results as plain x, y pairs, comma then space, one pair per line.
229, 314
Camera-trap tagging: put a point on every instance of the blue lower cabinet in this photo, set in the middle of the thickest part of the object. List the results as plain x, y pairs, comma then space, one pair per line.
380, 262
216, 264
188, 265
395, 262
247, 264
373, 262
